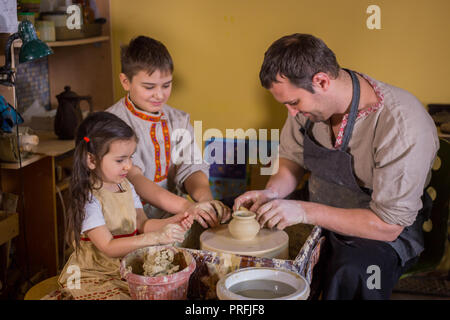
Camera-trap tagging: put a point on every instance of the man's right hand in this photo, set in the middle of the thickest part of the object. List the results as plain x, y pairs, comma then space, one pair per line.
253, 200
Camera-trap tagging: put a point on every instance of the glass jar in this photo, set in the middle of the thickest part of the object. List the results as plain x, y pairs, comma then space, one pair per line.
30, 16
46, 30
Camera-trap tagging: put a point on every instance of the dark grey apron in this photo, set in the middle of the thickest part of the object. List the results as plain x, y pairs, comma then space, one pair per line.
332, 181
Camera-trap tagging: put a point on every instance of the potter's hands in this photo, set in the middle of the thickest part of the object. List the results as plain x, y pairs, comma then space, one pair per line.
223, 212
281, 214
171, 233
253, 200
209, 213
170, 230
183, 219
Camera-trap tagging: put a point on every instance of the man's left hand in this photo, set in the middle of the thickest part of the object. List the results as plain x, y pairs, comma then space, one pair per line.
281, 214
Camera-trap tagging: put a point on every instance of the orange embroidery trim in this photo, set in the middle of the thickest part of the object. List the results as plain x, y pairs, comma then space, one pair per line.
166, 134
165, 128
141, 115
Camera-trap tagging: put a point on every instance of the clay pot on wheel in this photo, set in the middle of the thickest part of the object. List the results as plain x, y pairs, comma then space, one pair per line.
243, 226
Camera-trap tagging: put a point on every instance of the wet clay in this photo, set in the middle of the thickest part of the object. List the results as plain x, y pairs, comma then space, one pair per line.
160, 263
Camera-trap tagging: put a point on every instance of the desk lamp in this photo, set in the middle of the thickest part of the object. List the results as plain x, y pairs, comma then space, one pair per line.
32, 49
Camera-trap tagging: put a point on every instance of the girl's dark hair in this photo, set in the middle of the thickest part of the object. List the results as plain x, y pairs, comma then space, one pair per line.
94, 136
298, 57
145, 54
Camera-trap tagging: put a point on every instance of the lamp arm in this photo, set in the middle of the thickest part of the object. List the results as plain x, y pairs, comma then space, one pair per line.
6, 73
9, 44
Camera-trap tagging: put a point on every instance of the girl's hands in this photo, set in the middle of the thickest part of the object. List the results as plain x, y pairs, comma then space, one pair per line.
171, 233
176, 228
183, 219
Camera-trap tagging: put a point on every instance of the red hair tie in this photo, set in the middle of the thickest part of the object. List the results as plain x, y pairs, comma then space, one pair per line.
86, 139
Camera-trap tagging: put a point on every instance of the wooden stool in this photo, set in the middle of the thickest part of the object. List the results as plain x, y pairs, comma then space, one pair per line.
9, 228
42, 288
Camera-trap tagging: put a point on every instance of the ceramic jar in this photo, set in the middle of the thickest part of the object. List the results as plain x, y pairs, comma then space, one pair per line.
243, 226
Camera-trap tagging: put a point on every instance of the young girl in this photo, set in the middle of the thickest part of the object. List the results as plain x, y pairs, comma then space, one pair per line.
106, 220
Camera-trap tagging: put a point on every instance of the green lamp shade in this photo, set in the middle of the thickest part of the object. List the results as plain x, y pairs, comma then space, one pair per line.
32, 48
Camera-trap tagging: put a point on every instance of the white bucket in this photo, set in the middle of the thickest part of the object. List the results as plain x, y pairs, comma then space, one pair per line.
262, 284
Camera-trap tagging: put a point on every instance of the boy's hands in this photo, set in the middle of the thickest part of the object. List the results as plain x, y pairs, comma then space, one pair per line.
209, 213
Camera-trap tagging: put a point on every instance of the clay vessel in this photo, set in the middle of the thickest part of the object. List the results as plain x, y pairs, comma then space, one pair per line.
243, 226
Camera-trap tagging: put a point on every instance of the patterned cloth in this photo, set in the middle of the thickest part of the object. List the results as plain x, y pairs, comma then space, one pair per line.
212, 266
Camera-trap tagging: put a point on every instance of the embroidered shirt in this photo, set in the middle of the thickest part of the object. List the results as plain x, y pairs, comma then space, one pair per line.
159, 142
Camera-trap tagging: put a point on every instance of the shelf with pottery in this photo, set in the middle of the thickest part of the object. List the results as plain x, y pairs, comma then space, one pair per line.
49, 145
68, 43
84, 64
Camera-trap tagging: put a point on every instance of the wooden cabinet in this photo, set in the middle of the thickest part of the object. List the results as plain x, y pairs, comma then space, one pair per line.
39, 244
86, 66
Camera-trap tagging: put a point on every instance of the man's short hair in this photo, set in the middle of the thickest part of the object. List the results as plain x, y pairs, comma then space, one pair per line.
145, 54
297, 57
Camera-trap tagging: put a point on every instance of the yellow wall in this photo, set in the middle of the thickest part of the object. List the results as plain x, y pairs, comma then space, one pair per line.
218, 48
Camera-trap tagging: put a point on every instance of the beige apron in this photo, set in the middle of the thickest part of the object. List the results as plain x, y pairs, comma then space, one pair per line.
99, 274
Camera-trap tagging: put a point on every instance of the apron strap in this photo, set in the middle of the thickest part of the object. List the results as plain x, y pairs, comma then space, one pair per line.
353, 111
352, 115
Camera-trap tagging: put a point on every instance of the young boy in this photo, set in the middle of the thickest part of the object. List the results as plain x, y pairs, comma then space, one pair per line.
147, 69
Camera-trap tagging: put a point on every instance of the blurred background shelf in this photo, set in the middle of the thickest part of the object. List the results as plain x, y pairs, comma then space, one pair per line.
68, 43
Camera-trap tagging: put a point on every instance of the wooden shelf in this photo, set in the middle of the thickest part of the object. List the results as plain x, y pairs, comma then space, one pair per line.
25, 162
49, 145
68, 43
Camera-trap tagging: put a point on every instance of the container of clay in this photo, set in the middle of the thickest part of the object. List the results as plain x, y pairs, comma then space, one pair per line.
164, 287
262, 284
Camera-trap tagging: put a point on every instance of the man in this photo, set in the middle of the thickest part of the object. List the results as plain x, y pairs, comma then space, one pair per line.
369, 147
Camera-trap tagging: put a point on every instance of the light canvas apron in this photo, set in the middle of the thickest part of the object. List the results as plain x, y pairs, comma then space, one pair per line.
100, 277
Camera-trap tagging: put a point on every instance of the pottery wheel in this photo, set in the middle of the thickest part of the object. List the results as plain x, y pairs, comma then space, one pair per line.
267, 243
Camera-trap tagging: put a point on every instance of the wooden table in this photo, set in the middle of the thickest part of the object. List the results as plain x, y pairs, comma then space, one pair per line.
35, 181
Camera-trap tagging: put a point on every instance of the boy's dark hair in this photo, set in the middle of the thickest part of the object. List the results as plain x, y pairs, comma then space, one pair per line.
100, 129
297, 57
145, 54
